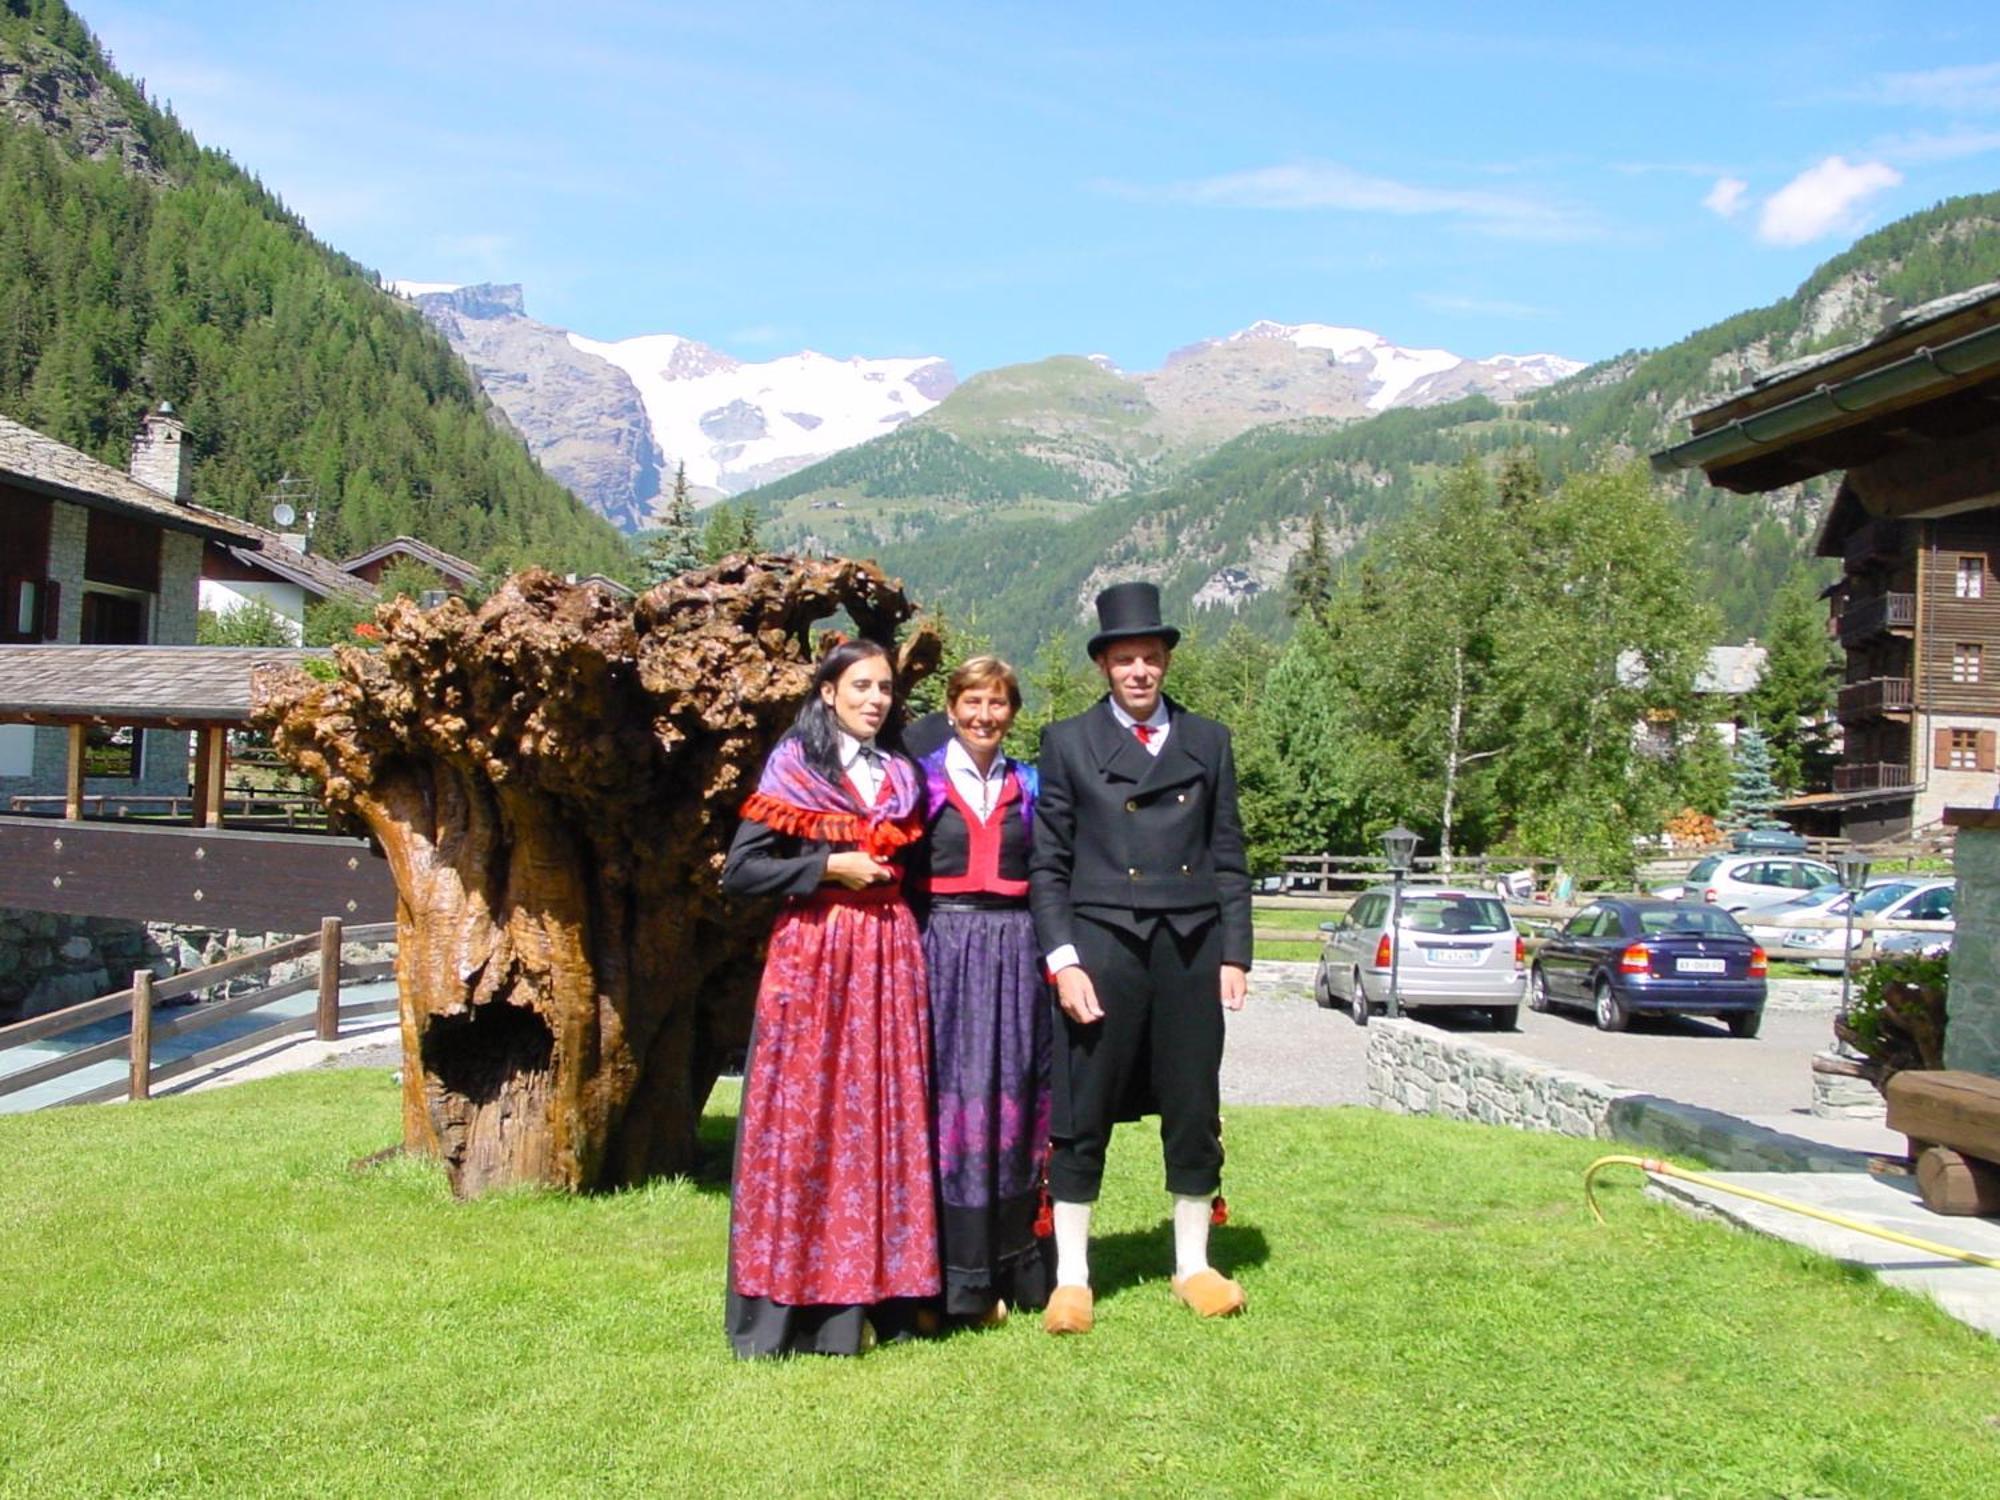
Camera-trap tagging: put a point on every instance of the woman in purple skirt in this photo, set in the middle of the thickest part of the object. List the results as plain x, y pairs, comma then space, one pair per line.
990, 1018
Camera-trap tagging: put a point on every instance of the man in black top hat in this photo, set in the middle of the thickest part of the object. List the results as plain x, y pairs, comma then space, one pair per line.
1141, 900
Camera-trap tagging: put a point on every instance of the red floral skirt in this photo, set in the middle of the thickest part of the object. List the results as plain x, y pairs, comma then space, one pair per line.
834, 1200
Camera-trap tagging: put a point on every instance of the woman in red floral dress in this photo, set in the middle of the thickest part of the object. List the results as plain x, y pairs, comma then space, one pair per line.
833, 1237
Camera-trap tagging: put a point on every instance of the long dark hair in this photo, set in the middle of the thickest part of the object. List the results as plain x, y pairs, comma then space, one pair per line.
817, 728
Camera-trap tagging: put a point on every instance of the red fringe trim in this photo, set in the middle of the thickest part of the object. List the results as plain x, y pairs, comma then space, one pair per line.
881, 839
1218, 1211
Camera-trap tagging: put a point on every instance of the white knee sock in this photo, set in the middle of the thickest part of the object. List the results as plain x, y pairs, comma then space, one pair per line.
1190, 1235
1072, 1243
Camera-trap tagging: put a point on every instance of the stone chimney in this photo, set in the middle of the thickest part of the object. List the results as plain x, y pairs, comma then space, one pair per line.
162, 456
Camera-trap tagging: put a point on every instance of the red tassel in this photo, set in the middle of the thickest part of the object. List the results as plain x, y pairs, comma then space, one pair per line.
1045, 1216
1218, 1211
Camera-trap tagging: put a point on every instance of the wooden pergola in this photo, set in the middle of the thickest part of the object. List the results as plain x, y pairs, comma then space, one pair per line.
202, 689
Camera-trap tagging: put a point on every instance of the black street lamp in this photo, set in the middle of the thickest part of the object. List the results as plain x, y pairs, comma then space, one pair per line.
1853, 879
1399, 845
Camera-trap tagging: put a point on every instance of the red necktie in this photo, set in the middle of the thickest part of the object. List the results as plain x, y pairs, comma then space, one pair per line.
1145, 733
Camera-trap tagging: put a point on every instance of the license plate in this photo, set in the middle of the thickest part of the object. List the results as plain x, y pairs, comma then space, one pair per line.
1454, 955
1700, 966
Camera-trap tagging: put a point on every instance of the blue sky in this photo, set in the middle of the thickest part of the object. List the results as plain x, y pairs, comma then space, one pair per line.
1002, 182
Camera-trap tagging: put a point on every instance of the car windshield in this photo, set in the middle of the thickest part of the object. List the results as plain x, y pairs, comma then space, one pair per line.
1696, 921
1451, 914
1878, 897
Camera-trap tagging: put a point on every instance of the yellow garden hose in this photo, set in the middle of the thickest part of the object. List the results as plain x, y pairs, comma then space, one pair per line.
1668, 1169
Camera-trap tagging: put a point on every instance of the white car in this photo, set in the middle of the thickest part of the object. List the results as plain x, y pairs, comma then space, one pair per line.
1734, 881
1925, 901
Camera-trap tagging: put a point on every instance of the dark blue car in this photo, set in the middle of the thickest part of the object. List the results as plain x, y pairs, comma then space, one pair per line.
1623, 958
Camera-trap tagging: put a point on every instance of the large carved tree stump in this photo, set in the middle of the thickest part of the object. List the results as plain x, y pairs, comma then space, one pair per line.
554, 778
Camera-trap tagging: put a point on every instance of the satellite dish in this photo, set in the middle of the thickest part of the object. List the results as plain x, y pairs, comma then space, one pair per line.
283, 514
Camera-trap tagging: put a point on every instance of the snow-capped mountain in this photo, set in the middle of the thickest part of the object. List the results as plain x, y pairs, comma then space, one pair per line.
612, 420
738, 424
1382, 374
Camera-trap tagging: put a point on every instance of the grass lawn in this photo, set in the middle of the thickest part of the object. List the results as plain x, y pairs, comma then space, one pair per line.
205, 1296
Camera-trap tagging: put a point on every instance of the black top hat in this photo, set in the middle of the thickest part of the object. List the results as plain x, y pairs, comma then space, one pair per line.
1129, 609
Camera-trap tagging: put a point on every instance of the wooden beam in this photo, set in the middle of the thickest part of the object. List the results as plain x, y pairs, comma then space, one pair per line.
200, 774
329, 979
211, 784
73, 776
142, 1034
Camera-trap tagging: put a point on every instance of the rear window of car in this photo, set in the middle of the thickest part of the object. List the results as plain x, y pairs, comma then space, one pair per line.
1696, 921
1705, 868
1450, 914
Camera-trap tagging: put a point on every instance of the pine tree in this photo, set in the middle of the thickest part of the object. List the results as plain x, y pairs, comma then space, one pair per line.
676, 548
1310, 586
1752, 791
746, 527
1794, 698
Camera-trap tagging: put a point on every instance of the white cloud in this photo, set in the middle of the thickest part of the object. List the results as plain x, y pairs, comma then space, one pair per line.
1311, 186
1822, 200
1929, 146
1973, 89
1485, 307
1726, 197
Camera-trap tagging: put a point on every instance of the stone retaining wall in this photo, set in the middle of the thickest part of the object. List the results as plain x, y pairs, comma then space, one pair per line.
49, 961
1416, 1069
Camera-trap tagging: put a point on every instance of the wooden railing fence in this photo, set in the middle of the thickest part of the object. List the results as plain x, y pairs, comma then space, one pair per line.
147, 994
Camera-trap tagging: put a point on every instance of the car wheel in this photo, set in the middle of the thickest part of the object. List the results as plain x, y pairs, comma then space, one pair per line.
1744, 1023
1538, 991
1357, 1002
1322, 991
1505, 1017
1611, 1012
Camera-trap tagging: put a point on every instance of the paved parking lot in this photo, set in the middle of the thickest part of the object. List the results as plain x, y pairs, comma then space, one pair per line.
1283, 1049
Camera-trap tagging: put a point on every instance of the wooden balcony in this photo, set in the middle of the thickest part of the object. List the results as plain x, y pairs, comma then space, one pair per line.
1870, 776
1874, 697
1874, 544
1872, 615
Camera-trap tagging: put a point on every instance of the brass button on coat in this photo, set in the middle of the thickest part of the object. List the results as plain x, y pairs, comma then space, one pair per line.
1133, 873
1131, 807
1181, 798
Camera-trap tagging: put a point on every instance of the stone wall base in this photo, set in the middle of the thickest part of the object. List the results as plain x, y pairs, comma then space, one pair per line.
49, 961
1419, 1070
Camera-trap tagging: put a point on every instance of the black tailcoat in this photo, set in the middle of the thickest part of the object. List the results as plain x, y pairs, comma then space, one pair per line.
1129, 837
1138, 862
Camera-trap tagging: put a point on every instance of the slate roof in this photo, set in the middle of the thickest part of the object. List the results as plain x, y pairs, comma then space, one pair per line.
320, 576
149, 686
453, 569
37, 461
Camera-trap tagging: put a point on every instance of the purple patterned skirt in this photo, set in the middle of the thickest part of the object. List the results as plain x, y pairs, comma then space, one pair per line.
990, 1043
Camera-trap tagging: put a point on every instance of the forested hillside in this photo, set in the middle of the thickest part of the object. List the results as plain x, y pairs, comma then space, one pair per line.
1229, 526
137, 266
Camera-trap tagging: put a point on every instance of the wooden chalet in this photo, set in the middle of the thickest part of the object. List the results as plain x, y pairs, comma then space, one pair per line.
1911, 418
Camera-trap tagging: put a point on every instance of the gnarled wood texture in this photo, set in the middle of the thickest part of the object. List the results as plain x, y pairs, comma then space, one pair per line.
554, 778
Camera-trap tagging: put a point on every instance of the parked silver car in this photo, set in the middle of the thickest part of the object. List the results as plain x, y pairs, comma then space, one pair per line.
1734, 881
1457, 949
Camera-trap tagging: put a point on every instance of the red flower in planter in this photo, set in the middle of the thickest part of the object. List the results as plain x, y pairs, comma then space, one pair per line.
368, 631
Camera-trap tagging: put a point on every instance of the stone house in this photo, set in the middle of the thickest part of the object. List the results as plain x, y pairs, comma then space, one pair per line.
93, 555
